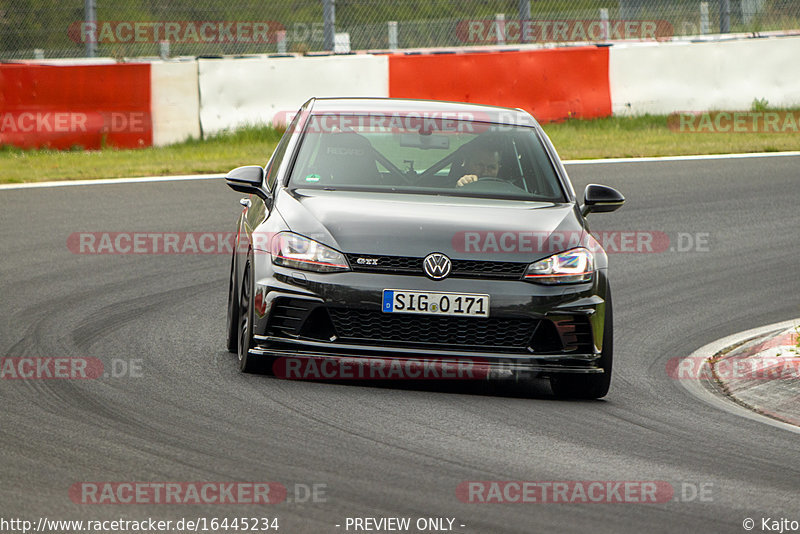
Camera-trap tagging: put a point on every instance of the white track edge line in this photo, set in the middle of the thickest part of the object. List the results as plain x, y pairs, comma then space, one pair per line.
697, 157
107, 181
147, 179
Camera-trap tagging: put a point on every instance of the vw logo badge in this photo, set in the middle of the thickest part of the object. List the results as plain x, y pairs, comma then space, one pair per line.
436, 266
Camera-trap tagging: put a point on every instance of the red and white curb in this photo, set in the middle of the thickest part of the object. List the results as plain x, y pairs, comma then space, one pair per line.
755, 375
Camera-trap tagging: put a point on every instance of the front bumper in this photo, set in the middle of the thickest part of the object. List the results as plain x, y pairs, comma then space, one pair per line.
537, 330
488, 365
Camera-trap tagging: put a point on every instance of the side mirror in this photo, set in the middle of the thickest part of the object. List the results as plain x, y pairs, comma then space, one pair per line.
248, 180
601, 199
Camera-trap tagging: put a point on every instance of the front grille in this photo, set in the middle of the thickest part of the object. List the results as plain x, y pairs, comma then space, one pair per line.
364, 326
494, 269
386, 264
307, 319
461, 268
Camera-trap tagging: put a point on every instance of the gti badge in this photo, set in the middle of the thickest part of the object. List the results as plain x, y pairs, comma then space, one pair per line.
436, 266
367, 261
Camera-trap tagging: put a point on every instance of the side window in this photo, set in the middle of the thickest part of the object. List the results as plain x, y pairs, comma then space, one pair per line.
280, 152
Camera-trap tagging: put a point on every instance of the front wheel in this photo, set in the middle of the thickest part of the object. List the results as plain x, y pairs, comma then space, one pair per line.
232, 330
590, 386
247, 362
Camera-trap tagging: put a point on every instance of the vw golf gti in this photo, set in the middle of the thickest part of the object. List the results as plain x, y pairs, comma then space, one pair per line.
421, 231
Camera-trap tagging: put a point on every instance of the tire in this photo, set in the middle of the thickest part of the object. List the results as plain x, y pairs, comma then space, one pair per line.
590, 386
232, 329
247, 362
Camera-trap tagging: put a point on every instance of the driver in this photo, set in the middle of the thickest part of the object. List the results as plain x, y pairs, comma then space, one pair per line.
480, 162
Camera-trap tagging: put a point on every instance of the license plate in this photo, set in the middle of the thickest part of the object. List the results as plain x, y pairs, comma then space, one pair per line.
435, 303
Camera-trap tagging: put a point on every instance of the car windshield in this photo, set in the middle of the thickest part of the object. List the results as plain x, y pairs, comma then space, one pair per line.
424, 155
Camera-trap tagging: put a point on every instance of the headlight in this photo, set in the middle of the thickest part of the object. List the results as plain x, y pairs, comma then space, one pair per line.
298, 252
570, 267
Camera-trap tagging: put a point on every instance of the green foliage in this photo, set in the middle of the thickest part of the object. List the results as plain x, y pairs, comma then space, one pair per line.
796, 347
759, 104
634, 123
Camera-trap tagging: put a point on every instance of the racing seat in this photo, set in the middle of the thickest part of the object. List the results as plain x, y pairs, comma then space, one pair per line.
346, 159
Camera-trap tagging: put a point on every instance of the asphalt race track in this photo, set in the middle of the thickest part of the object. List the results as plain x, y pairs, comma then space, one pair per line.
185, 413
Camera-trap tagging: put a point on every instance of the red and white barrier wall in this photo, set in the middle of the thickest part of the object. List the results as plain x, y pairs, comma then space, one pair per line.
667, 77
76, 105
238, 92
175, 95
551, 84
139, 104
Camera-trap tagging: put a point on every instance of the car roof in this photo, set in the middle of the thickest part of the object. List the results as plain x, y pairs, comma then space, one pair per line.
454, 110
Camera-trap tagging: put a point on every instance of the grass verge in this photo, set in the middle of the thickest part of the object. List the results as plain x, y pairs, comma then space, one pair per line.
647, 135
650, 135
217, 154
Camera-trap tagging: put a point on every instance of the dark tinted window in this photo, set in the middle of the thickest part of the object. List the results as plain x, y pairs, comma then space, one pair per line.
408, 154
280, 152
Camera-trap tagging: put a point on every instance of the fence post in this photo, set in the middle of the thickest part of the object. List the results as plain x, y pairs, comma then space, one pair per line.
392, 35
329, 20
163, 49
524, 17
704, 28
500, 22
725, 16
281, 38
90, 27
604, 24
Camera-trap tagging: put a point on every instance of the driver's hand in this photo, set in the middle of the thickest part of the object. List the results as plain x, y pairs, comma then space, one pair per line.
467, 179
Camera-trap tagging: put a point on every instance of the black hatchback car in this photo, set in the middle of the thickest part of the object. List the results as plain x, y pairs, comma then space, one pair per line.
429, 236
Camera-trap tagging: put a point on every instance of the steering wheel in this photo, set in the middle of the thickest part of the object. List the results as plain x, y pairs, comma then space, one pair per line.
490, 184
516, 182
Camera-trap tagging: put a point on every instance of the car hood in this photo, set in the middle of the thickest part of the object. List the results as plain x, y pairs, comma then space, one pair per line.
395, 224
